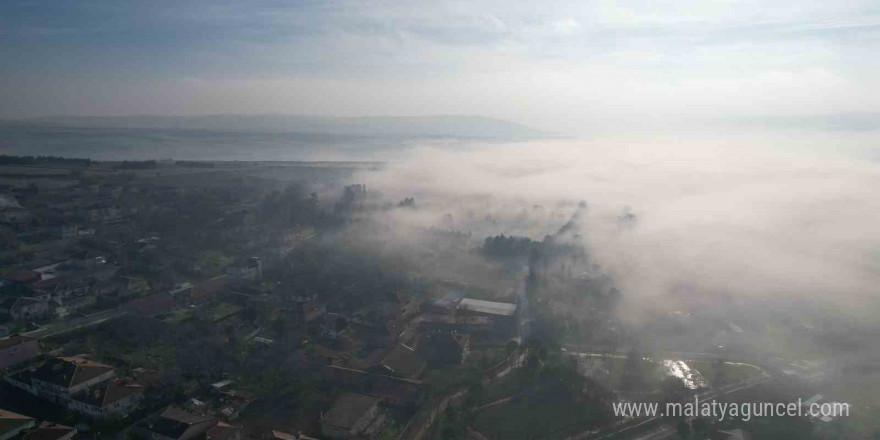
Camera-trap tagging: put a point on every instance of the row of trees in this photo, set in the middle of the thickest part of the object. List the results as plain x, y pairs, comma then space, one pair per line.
41, 160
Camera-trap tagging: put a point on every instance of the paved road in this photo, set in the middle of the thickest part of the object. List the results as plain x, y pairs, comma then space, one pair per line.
60, 327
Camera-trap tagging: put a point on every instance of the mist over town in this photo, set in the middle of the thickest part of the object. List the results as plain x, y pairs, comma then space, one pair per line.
438, 220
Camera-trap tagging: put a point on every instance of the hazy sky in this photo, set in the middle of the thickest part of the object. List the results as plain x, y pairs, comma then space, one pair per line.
566, 66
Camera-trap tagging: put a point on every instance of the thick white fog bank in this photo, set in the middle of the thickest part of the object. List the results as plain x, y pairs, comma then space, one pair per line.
777, 218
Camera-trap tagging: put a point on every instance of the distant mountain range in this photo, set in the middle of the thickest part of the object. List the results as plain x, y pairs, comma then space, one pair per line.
828, 121
368, 126
245, 137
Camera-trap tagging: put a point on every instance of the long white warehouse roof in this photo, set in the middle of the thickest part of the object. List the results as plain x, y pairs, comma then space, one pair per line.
490, 307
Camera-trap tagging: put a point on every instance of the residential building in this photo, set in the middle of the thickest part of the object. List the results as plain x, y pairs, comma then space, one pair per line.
11, 424
223, 431
234, 402
112, 397
17, 349
231, 400
280, 435
22, 276
146, 377
50, 431
174, 423
24, 308
72, 284
82, 385
351, 416
60, 378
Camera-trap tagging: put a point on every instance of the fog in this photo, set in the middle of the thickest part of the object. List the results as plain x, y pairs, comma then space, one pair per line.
316, 203
780, 220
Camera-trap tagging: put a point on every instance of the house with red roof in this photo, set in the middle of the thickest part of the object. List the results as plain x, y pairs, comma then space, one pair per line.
66, 376
112, 397
11, 424
80, 384
223, 431
175, 423
50, 431
23, 276
17, 349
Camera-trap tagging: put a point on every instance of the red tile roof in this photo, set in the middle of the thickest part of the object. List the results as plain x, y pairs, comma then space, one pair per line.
49, 431
13, 422
12, 341
109, 392
223, 431
70, 371
86, 369
23, 275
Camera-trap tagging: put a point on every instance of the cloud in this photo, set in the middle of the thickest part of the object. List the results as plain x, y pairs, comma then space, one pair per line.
567, 66
566, 26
